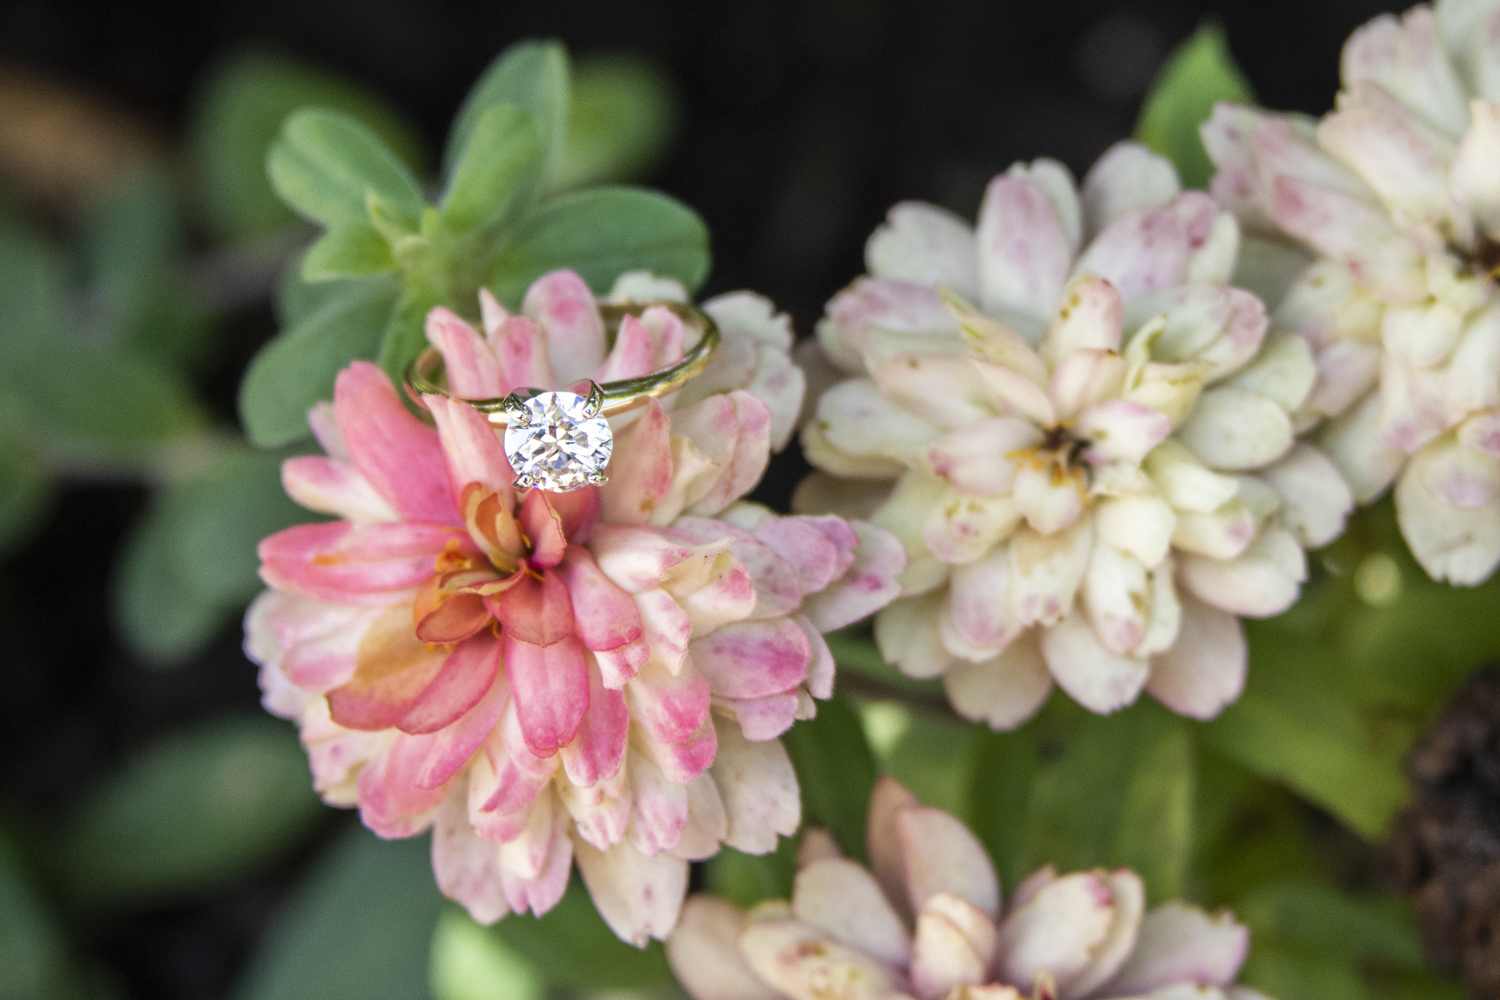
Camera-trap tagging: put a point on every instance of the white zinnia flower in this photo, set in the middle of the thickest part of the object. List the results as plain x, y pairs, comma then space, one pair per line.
1094, 470
1397, 193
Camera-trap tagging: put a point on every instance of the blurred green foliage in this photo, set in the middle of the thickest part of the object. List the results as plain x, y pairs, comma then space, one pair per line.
1198, 75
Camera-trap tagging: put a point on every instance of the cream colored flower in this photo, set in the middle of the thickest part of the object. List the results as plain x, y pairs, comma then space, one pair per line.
1397, 195
1093, 468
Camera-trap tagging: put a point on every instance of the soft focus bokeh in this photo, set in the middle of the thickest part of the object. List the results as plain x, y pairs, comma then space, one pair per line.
158, 834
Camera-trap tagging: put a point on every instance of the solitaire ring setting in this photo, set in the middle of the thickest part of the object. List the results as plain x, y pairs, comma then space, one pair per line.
560, 440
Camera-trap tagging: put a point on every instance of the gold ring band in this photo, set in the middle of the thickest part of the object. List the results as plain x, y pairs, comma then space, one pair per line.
423, 375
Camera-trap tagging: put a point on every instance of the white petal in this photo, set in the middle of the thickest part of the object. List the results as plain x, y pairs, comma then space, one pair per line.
1204, 670
1406, 57
1056, 931
1460, 545
1085, 377
883, 844
1048, 498
1263, 581
1182, 944
841, 898
1122, 431
803, 964
1315, 499
1473, 173
855, 418
944, 958
1185, 482
1005, 691
1233, 429
925, 245
1045, 571
977, 605
1117, 599
1283, 371
1139, 525
758, 787
1128, 176
1088, 319
1223, 534
707, 824
1353, 443
962, 528
1482, 433
940, 854
1023, 250
1403, 160
639, 897
1129, 897
978, 458
704, 952
1097, 679
906, 631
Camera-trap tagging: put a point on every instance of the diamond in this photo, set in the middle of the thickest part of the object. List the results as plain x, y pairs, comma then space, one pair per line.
560, 446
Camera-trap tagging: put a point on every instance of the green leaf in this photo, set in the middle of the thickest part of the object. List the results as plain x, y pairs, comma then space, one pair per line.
345, 320
326, 165
1155, 831
497, 174
25, 492
924, 755
359, 928
1291, 725
236, 116
602, 233
1003, 769
574, 950
32, 951
835, 771
347, 250
1198, 75
191, 563
471, 963
198, 809
531, 75
855, 652
747, 879
623, 115
1327, 921
1294, 974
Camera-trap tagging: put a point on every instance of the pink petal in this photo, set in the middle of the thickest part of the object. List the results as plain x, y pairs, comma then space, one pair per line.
887, 856
467, 674
579, 512
840, 897
473, 450
541, 889
396, 453
980, 458
633, 355
1360, 236
821, 669
1122, 431
543, 527
329, 486
536, 611
639, 558
492, 314
473, 372
1140, 252
1023, 251
704, 952
775, 590
354, 564
666, 626
431, 759
669, 707
1014, 392
640, 477
667, 330
604, 616
753, 659
597, 749
551, 689
520, 345
563, 304
318, 641
659, 808
684, 762
395, 809
869, 584
502, 787
733, 430
818, 561
1481, 432
762, 718
977, 602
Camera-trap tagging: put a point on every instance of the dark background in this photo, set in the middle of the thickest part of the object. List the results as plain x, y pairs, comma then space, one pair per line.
801, 124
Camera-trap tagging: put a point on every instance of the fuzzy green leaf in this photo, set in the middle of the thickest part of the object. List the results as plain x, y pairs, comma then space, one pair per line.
405, 334
326, 164
191, 813
1198, 75
296, 369
347, 250
239, 111
621, 122
359, 927
602, 233
836, 772
471, 963
497, 174
1003, 769
534, 77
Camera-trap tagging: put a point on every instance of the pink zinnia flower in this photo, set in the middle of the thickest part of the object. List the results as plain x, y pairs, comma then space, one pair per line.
597, 675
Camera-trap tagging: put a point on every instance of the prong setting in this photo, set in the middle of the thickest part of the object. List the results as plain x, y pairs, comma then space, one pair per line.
559, 441
594, 402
